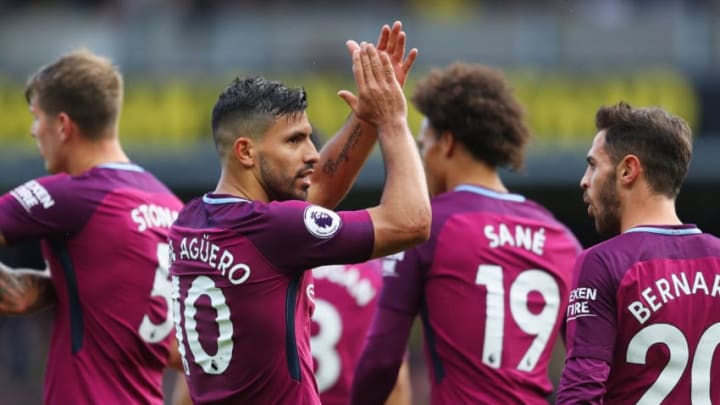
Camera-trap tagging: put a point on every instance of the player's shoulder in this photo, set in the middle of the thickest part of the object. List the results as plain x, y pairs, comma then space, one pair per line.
617, 253
123, 175
45, 190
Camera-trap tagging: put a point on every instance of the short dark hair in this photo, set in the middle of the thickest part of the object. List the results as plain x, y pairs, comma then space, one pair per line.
249, 106
86, 87
476, 105
661, 141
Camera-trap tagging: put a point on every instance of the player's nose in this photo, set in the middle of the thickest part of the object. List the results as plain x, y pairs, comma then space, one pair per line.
311, 155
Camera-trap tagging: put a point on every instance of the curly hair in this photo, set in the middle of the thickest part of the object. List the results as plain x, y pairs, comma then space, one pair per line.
662, 142
247, 107
475, 104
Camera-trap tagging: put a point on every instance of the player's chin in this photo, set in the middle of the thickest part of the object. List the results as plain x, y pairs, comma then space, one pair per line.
302, 194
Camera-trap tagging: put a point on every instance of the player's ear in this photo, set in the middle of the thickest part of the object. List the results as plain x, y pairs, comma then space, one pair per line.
67, 126
447, 143
244, 151
629, 169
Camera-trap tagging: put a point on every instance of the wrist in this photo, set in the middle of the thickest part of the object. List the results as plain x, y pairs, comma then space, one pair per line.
393, 127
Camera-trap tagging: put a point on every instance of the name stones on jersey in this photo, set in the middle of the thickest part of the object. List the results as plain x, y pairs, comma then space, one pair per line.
321, 222
153, 216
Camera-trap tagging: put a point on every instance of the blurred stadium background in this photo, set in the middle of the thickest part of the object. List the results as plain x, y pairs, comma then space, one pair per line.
564, 58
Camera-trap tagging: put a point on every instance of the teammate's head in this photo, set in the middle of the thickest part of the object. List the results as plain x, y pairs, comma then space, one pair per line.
261, 126
78, 93
645, 145
475, 106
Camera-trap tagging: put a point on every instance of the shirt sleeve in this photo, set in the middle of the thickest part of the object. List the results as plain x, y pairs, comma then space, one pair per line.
382, 356
583, 381
591, 314
41, 208
297, 236
402, 282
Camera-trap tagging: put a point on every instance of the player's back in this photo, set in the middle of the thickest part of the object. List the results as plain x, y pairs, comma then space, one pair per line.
105, 234
667, 284
345, 301
498, 275
243, 298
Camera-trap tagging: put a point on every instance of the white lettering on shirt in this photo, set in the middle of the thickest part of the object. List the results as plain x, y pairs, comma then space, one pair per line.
349, 278
665, 290
31, 194
389, 264
579, 305
202, 250
153, 216
522, 237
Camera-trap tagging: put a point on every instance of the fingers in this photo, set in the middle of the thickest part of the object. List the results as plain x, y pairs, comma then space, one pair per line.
399, 52
358, 69
349, 98
382, 41
370, 63
395, 34
387, 68
408, 63
351, 46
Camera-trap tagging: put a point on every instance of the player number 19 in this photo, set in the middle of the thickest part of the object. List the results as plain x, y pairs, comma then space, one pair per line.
539, 325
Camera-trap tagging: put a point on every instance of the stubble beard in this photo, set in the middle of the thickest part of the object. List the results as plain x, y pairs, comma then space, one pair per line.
607, 219
277, 187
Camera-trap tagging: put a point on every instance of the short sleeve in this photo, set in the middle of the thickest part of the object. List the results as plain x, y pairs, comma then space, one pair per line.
41, 208
591, 313
298, 235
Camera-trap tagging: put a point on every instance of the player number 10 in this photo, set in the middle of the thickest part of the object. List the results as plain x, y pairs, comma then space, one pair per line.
539, 325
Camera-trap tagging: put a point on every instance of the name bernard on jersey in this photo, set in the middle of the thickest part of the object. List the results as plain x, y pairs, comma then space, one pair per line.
202, 250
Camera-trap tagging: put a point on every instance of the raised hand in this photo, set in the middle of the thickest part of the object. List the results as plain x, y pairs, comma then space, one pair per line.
393, 41
380, 99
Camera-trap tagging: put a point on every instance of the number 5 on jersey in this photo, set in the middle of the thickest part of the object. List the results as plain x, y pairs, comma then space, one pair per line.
157, 332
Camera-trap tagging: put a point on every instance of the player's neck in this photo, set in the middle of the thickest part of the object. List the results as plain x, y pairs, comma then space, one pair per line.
87, 155
231, 184
653, 210
475, 173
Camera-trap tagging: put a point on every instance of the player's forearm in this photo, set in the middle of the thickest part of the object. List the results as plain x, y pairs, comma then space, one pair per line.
24, 291
377, 370
341, 159
404, 205
401, 394
583, 381
375, 378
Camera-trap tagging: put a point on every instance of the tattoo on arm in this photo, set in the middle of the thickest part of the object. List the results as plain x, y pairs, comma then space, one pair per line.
24, 291
331, 166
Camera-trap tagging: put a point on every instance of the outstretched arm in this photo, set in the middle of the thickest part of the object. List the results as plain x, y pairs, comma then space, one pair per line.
583, 381
376, 373
344, 154
23, 291
402, 392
